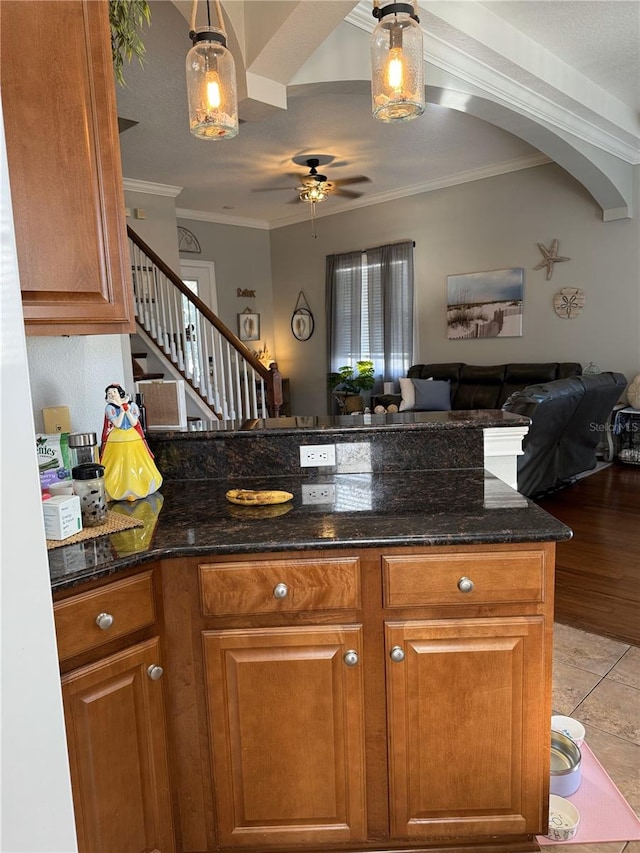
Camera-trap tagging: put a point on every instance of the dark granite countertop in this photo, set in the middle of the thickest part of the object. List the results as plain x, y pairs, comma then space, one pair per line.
456, 419
424, 507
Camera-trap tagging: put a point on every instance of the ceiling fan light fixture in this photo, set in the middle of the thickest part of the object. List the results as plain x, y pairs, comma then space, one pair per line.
397, 63
211, 86
314, 193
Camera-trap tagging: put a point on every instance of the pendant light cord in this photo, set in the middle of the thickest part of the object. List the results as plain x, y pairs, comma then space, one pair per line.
194, 8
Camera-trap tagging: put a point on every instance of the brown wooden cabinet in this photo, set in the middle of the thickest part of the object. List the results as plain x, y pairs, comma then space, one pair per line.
65, 174
436, 735
352, 699
463, 710
468, 691
287, 737
115, 718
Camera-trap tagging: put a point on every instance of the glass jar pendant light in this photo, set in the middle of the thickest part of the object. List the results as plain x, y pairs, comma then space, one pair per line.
211, 86
397, 64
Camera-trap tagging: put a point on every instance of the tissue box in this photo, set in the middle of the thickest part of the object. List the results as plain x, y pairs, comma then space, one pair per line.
61, 516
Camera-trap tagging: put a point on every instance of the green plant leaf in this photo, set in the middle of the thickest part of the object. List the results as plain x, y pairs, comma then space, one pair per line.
127, 18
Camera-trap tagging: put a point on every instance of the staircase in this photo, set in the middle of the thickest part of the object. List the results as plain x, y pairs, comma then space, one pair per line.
226, 376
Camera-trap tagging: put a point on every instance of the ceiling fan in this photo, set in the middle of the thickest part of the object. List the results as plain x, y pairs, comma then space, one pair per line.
316, 187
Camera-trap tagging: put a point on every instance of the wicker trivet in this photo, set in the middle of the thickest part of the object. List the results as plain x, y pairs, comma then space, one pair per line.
114, 524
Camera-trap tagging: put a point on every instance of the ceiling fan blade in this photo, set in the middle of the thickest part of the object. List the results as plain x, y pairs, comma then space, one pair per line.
356, 179
346, 193
270, 189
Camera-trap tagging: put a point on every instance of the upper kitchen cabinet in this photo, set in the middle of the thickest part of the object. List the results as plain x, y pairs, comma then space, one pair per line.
65, 174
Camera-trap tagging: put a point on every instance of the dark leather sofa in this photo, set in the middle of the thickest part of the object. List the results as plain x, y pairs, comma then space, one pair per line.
479, 386
568, 411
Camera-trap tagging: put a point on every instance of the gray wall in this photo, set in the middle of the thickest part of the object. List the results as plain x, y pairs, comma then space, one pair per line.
242, 258
489, 224
158, 229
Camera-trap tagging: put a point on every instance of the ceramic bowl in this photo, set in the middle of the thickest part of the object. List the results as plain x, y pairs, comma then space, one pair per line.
569, 727
564, 819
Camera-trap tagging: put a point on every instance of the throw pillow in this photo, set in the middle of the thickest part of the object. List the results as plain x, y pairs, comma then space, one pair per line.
633, 392
432, 395
408, 394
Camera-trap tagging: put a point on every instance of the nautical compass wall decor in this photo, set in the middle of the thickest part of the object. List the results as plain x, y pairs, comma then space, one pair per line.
569, 302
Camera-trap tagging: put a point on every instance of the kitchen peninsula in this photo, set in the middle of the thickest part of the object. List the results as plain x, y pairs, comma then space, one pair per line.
364, 668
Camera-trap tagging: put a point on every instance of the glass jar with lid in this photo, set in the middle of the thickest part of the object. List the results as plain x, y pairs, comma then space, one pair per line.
83, 448
88, 484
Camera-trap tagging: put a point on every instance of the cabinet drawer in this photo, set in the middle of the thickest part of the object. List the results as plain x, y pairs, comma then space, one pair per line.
280, 586
496, 578
130, 603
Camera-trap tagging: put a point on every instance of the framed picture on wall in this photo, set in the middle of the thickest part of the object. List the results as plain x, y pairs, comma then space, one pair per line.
485, 304
248, 326
302, 324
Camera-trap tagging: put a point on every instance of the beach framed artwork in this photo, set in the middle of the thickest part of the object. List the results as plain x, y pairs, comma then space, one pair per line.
485, 304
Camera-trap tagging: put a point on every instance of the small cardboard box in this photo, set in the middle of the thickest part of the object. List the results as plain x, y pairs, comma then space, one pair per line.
53, 458
61, 516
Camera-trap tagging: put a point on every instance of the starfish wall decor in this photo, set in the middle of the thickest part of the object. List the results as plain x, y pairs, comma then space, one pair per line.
549, 258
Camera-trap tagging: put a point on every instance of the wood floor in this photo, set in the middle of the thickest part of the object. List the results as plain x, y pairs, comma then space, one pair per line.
598, 571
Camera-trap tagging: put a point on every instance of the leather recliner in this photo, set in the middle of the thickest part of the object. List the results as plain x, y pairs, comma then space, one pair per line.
567, 420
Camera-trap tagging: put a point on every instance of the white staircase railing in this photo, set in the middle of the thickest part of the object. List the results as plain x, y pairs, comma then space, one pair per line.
214, 361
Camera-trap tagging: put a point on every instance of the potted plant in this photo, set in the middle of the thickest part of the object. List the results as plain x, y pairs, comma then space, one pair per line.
348, 383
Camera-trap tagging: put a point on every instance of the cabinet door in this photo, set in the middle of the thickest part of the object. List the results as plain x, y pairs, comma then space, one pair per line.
116, 738
468, 718
286, 728
59, 106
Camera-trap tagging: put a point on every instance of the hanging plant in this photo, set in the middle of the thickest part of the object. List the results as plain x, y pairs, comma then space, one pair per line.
127, 17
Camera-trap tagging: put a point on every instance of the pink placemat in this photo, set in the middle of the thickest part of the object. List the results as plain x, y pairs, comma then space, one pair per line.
605, 815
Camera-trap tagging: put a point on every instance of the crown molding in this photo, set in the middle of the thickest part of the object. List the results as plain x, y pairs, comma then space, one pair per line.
221, 219
136, 186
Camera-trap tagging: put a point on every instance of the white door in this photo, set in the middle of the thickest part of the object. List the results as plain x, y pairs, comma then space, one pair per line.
200, 277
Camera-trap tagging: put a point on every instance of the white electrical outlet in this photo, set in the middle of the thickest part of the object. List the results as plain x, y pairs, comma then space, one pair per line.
318, 493
317, 455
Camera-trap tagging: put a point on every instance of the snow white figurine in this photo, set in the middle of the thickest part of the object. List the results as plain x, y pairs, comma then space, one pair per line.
129, 470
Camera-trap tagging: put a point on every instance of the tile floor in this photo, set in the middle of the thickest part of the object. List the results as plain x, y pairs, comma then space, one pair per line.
597, 681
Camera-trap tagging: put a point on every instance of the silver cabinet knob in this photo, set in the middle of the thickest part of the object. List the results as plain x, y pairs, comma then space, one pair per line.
397, 654
280, 590
465, 584
104, 621
155, 672
351, 657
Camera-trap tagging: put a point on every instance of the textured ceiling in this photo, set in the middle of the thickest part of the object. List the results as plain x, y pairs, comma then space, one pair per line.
251, 179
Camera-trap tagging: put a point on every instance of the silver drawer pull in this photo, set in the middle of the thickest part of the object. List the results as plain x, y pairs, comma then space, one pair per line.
104, 621
465, 584
281, 590
351, 657
397, 654
155, 672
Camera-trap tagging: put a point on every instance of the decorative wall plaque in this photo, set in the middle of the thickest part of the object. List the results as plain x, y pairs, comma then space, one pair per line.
187, 241
550, 257
302, 322
569, 302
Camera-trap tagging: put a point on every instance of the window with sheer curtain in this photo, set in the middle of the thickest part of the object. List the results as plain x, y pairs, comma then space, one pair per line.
370, 309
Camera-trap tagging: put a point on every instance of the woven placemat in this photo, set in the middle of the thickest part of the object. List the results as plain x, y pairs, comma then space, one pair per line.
114, 524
